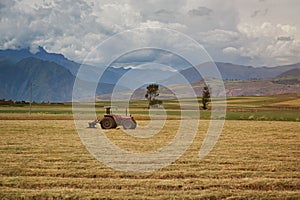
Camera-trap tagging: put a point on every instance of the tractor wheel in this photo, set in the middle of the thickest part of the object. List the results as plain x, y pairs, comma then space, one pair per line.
107, 123
134, 125
128, 124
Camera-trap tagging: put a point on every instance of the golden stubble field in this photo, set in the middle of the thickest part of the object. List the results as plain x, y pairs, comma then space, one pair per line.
45, 159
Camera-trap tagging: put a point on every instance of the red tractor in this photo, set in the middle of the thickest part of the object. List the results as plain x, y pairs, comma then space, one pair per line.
110, 120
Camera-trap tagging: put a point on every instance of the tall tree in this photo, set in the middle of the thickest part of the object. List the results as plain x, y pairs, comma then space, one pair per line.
152, 93
205, 96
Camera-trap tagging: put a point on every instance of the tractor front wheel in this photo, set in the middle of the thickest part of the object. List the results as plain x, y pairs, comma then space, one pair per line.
107, 123
128, 124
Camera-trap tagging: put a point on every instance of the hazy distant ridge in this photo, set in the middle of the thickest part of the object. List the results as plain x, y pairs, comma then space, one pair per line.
53, 75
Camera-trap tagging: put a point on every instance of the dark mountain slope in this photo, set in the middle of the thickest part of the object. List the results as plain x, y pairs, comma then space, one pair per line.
16, 56
292, 72
110, 76
51, 82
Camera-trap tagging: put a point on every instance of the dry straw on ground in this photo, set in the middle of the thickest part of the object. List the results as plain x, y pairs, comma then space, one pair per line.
45, 159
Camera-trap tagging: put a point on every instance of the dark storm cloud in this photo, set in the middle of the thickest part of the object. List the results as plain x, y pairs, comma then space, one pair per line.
163, 12
200, 11
285, 38
257, 13
151, 55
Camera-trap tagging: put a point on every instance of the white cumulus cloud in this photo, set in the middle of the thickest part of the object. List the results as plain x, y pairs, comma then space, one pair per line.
270, 43
247, 32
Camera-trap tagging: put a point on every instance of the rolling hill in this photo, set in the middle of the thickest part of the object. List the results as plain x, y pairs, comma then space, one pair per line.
292, 72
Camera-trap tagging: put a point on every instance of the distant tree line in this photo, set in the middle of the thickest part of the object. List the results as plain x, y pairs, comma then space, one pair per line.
11, 102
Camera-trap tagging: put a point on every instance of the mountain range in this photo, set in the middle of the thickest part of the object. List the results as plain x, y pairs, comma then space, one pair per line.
231, 71
53, 75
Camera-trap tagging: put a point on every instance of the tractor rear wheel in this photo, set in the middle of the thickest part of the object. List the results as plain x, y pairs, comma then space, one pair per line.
107, 123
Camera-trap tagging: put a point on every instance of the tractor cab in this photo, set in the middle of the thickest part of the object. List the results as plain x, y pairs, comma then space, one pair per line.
108, 109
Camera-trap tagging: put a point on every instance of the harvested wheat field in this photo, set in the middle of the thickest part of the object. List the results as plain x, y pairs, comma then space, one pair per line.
45, 159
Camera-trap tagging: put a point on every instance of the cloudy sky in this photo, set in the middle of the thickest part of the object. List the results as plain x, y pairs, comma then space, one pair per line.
256, 32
